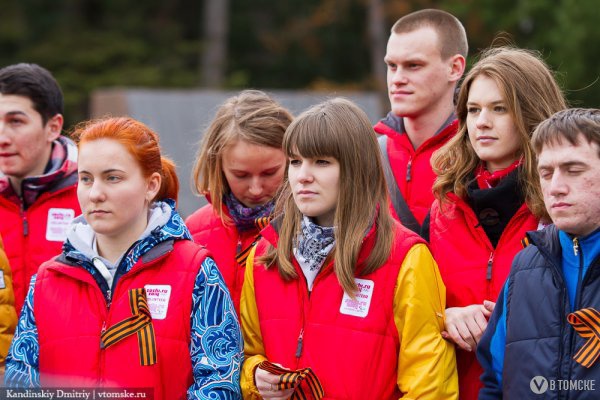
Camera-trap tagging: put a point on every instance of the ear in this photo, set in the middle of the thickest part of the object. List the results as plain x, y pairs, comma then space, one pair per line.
153, 186
54, 127
457, 64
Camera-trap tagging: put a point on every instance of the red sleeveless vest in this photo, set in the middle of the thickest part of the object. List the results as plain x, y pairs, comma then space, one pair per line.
340, 348
71, 313
24, 234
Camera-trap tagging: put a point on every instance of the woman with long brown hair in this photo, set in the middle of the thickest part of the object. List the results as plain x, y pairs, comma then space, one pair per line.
487, 191
335, 281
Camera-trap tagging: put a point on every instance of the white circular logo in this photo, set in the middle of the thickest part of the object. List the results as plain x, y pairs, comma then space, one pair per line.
538, 384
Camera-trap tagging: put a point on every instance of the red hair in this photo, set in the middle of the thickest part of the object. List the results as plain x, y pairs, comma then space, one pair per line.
141, 142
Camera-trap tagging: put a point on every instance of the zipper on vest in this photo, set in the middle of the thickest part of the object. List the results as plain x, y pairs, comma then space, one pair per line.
579, 288
24, 218
408, 168
299, 345
490, 263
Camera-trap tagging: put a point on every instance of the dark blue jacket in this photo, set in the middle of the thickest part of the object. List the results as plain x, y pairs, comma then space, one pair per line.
529, 345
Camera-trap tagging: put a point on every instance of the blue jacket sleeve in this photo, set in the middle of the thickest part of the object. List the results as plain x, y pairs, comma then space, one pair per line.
490, 351
22, 362
216, 345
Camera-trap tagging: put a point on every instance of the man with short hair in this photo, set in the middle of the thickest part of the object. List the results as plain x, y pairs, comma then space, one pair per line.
544, 334
425, 59
38, 195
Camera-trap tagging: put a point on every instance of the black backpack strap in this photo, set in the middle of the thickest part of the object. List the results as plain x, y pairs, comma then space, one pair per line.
406, 216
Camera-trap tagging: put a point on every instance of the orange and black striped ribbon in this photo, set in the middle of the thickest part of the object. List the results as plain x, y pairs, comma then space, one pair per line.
289, 379
586, 323
242, 255
140, 322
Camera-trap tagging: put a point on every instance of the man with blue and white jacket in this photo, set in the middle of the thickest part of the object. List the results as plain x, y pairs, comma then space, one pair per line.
543, 339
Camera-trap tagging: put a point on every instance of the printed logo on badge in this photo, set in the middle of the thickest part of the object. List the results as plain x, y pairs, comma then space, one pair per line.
158, 300
360, 306
59, 220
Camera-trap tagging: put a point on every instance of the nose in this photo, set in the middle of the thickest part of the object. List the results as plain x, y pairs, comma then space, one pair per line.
4, 137
256, 186
96, 193
483, 120
558, 186
398, 77
305, 174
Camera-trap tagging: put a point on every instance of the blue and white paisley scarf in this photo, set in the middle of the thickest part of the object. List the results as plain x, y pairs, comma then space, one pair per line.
313, 245
244, 217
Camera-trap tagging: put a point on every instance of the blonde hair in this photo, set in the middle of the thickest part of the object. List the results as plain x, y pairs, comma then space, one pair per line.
531, 94
338, 128
253, 117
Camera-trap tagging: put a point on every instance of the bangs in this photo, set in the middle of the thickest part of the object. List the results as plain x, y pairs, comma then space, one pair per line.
311, 137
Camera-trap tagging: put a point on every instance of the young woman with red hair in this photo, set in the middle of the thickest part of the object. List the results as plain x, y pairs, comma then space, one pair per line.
131, 302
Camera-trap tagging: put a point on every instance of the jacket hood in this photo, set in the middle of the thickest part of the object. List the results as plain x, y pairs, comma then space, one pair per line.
164, 223
61, 172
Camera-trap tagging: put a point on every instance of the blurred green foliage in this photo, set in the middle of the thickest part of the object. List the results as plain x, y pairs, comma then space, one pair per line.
294, 44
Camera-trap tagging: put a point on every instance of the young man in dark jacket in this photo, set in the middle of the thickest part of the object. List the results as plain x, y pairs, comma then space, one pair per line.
544, 334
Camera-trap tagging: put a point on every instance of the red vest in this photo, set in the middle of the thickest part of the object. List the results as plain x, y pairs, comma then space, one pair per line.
412, 168
25, 235
224, 242
466, 258
70, 313
340, 348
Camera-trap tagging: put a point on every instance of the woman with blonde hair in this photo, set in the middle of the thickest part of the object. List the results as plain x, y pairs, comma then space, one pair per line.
131, 302
335, 280
239, 169
487, 191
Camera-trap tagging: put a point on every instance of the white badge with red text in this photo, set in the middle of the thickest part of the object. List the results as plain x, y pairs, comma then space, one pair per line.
59, 220
360, 306
158, 300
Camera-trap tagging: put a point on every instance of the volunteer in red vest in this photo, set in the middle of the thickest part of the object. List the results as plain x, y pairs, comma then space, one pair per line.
131, 302
487, 191
425, 59
336, 284
38, 196
240, 167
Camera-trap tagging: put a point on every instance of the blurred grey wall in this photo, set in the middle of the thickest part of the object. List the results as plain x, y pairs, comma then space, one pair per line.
181, 116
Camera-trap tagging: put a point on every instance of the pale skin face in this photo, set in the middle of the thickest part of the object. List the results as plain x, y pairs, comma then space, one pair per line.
315, 186
25, 142
114, 195
254, 173
569, 176
419, 81
491, 127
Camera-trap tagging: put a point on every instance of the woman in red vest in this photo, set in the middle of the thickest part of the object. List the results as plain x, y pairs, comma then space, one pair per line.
487, 191
131, 302
336, 290
239, 169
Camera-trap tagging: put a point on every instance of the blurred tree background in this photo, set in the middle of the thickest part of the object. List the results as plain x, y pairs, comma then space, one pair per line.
291, 44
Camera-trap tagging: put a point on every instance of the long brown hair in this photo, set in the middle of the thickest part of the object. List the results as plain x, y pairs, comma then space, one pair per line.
338, 128
531, 94
251, 116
